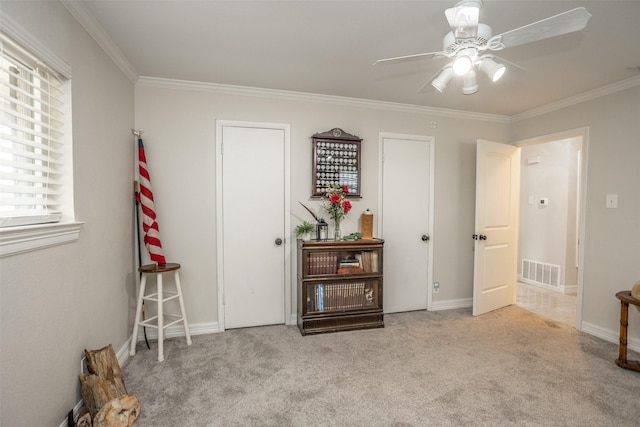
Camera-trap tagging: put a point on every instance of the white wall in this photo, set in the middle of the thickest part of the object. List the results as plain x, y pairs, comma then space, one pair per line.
178, 120
56, 302
611, 246
547, 232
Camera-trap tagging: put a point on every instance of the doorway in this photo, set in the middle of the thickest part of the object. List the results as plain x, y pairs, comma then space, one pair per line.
553, 173
406, 170
252, 199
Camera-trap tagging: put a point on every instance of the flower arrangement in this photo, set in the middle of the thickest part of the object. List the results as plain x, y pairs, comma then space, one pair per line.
337, 205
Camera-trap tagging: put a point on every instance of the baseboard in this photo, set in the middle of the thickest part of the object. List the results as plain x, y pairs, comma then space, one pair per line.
563, 289
178, 331
451, 304
609, 335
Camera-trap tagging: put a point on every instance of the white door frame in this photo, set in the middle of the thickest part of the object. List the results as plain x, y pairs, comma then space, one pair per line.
432, 142
583, 133
219, 223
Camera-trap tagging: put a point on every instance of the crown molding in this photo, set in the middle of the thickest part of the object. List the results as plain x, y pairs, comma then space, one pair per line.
586, 96
162, 83
21, 36
95, 30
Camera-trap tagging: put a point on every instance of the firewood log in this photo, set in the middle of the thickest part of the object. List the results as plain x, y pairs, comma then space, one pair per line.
119, 412
103, 381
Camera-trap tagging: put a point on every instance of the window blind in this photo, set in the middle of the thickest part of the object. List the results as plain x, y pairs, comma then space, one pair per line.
31, 144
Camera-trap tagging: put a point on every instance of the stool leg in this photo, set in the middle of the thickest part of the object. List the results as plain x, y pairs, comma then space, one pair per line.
182, 310
160, 320
134, 338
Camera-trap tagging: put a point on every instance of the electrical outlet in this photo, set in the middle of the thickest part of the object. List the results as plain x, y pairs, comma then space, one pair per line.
436, 287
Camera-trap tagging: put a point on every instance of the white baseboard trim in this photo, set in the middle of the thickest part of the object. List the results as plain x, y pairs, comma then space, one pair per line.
451, 304
177, 330
609, 335
563, 289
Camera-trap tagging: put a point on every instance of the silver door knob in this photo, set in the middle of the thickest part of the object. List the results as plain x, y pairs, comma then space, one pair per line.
278, 241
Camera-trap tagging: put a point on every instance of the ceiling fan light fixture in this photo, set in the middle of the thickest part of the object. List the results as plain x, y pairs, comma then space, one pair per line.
462, 65
469, 83
440, 82
464, 61
493, 69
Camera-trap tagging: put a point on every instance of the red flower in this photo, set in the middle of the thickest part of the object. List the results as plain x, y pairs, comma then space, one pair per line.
345, 190
334, 199
346, 206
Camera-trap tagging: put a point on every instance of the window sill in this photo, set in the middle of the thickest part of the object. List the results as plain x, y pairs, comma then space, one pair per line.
17, 240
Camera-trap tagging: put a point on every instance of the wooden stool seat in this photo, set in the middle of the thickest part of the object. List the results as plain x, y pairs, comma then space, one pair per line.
162, 320
625, 299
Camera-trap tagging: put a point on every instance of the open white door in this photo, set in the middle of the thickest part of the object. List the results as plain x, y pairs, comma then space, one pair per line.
496, 238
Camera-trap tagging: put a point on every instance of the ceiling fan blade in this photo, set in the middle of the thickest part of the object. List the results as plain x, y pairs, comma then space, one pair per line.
563, 23
463, 19
409, 57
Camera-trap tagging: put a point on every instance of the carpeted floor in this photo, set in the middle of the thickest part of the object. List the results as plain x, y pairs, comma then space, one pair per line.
508, 367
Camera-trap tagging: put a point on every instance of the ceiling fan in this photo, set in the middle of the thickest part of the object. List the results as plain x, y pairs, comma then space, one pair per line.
468, 41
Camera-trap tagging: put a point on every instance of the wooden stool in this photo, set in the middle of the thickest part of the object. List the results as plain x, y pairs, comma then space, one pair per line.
625, 299
160, 297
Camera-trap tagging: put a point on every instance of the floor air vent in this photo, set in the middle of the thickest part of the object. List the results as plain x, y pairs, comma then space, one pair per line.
540, 272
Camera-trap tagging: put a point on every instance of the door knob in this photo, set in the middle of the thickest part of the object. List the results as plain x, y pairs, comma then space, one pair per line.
482, 237
278, 241
425, 238
479, 237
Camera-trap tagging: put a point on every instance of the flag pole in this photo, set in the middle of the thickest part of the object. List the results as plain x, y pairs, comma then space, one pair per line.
138, 253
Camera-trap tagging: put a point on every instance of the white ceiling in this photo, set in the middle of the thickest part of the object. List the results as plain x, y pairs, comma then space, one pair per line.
328, 47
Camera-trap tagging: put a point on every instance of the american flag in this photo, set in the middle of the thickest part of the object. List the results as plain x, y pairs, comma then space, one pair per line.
149, 223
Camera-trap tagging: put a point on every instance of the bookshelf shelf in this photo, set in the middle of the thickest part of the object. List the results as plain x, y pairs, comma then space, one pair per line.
340, 285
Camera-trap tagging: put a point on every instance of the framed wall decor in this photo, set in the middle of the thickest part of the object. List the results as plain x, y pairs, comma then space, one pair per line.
336, 161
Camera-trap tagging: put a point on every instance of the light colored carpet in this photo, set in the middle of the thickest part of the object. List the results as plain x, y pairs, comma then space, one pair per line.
508, 367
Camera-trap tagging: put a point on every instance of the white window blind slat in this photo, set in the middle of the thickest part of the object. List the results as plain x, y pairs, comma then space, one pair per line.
29, 168
29, 189
33, 154
37, 85
27, 202
9, 179
32, 99
50, 117
36, 141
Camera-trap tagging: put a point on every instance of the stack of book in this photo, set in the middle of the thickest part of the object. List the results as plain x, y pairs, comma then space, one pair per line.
322, 263
338, 296
368, 261
349, 266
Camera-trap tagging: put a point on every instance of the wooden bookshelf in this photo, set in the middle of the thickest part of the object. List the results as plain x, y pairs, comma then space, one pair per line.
340, 285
